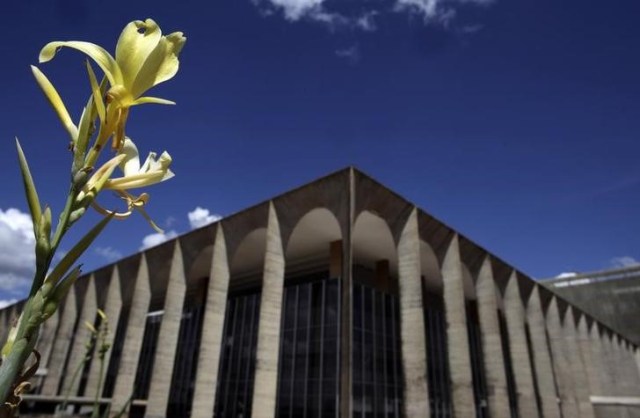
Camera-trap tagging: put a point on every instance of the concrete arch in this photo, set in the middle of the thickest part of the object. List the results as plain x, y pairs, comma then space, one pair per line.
248, 257
309, 243
200, 268
430, 269
468, 283
373, 242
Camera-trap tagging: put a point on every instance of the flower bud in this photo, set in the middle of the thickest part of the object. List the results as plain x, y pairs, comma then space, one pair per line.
76, 214
43, 246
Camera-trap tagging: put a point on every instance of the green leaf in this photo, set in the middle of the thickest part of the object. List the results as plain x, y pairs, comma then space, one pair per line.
30, 189
97, 93
59, 293
72, 256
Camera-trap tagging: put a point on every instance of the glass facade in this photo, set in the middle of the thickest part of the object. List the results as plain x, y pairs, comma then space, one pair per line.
238, 356
308, 384
477, 365
437, 358
184, 368
377, 370
147, 355
508, 366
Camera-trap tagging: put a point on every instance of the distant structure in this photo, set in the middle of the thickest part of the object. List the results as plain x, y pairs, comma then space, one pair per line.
611, 296
336, 299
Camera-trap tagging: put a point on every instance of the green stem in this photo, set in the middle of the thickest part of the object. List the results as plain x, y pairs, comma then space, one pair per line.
76, 373
13, 363
96, 405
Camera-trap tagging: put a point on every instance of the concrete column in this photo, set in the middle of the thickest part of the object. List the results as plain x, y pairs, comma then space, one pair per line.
412, 331
457, 336
542, 357
88, 311
580, 380
212, 328
584, 349
61, 345
45, 344
515, 317
636, 358
491, 342
561, 362
128, 367
266, 377
635, 376
112, 308
161, 375
623, 375
597, 376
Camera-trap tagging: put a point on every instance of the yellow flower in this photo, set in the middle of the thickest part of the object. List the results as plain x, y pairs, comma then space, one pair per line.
144, 58
154, 170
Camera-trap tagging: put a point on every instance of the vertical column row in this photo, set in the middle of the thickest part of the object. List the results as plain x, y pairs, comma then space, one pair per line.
542, 357
212, 330
413, 345
124, 384
492, 342
519, 350
167, 338
266, 374
457, 336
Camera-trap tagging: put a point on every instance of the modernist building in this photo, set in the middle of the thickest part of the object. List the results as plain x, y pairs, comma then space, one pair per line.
336, 299
611, 296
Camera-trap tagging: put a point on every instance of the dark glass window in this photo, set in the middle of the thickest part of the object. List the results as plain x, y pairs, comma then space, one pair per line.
116, 354
437, 358
147, 355
184, 368
508, 366
477, 365
309, 350
377, 383
238, 357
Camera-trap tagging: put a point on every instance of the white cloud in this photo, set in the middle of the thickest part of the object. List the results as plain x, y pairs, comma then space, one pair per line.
6, 302
158, 238
566, 275
17, 255
624, 261
432, 11
351, 54
200, 217
109, 253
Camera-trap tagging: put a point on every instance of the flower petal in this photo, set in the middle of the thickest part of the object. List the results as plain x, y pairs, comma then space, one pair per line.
56, 102
156, 100
95, 52
97, 93
161, 64
131, 163
137, 41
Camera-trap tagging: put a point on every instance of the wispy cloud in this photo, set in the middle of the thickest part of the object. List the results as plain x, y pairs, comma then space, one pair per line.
157, 238
108, 253
6, 302
624, 261
431, 11
351, 54
200, 217
17, 258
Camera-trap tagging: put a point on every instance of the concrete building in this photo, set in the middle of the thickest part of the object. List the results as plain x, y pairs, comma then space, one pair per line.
336, 299
611, 296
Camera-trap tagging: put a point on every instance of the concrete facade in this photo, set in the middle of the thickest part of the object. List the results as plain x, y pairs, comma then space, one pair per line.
476, 337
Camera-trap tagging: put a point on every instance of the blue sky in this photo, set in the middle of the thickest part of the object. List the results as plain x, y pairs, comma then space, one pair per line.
515, 122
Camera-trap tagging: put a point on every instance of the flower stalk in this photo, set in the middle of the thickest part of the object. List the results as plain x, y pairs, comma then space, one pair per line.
143, 59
